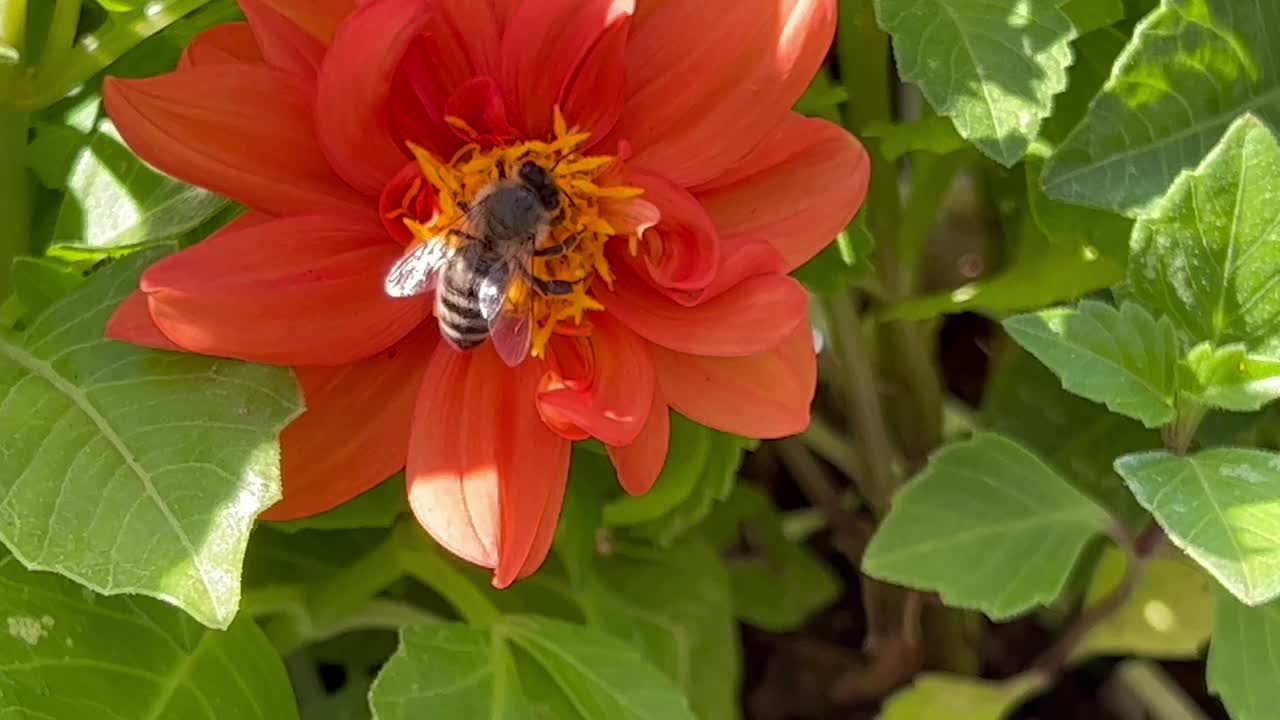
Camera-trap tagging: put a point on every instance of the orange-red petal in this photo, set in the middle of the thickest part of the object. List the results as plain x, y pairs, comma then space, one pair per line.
752, 316
354, 87
612, 400
244, 131
355, 431
546, 43
225, 44
682, 251
283, 43
132, 323
485, 475
797, 191
320, 18
752, 59
640, 463
294, 291
763, 396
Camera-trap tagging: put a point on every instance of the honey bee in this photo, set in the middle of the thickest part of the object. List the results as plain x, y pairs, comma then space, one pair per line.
473, 265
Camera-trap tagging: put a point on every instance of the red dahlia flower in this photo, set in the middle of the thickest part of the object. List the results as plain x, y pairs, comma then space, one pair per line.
355, 130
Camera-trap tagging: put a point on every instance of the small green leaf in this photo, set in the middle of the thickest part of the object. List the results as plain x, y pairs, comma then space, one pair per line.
987, 525
1243, 665
823, 97
1192, 67
1168, 617
449, 671
1123, 358
1209, 257
937, 695
992, 66
603, 677
1026, 402
1090, 15
40, 282
131, 470
68, 653
845, 262
933, 134
777, 584
1221, 507
1230, 379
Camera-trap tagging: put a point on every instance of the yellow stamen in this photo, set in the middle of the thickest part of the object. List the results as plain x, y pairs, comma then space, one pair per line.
579, 225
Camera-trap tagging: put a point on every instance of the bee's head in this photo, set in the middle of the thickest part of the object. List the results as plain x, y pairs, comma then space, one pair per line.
543, 185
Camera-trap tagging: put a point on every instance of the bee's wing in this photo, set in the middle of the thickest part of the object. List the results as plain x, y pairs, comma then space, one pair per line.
416, 272
510, 327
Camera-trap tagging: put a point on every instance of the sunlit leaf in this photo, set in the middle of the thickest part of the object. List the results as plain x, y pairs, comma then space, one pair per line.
130, 470
936, 695
992, 66
1221, 506
1192, 67
68, 653
1169, 615
1121, 357
988, 526
1231, 379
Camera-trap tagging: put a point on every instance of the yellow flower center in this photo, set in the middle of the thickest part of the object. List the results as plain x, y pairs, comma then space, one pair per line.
578, 225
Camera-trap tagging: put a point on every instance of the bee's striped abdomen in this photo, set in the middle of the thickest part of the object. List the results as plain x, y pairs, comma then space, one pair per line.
457, 307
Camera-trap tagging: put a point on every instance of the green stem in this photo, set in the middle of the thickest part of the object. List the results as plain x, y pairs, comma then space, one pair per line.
1179, 434
15, 188
421, 560
931, 176
62, 35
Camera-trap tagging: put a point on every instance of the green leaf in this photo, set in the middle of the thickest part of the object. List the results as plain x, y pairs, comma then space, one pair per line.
937, 695
1192, 68
1230, 379
1168, 617
1094, 231
1123, 358
777, 584
603, 677
1095, 53
933, 134
1209, 257
1042, 272
1243, 665
844, 263
68, 653
674, 606
1026, 402
988, 526
40, 282
130, 470
449, 671
1221, 507
113, 199
823, 97
992, 66
1090, 15
702, 466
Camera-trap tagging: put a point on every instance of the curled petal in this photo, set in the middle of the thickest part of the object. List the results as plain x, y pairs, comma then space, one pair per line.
611, 400
681, 252
295, 291
550, 40
406, 196
132, 323
479, 104
752, 58
225, 44
320, 18
354, 86
355, 431
639, 463
244, 131
754, 315
764, 396
798, 190
485, 475
284, 44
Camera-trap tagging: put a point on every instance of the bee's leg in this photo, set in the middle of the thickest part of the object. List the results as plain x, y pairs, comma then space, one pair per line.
551, 288
456, 234
554, 251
